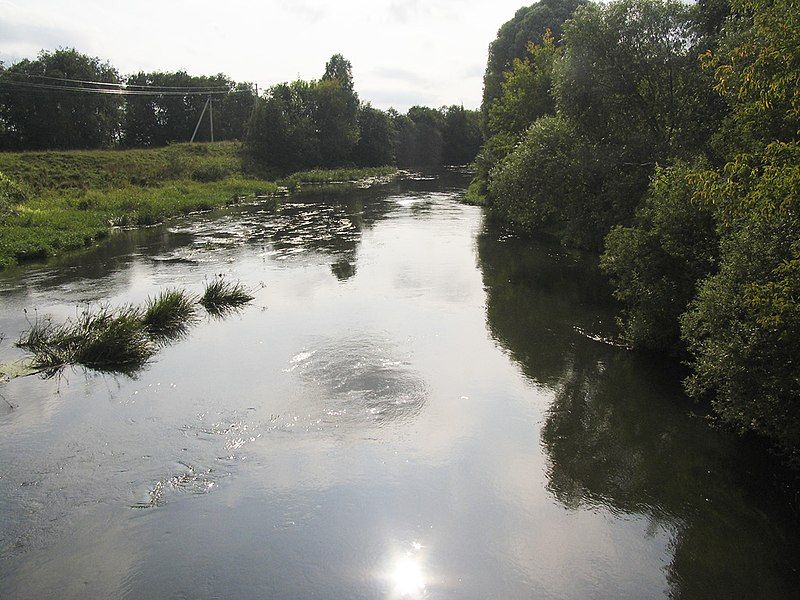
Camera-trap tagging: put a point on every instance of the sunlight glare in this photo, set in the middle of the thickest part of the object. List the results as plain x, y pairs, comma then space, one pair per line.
407, 577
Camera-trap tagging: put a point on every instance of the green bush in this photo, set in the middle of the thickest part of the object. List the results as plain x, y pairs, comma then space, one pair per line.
547, 184
655, 264
743, 329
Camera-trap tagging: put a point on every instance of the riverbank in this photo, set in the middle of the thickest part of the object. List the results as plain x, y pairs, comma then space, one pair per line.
69, 200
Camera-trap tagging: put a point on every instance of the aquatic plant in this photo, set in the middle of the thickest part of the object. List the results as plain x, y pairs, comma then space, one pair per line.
222, 296
123, 340
169, 314
104, 340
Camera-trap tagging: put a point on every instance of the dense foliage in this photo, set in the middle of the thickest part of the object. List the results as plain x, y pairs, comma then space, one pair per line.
743, 327
52, 103
304, 124
163, 119
671, 138
33, 120
528, 25
656, 263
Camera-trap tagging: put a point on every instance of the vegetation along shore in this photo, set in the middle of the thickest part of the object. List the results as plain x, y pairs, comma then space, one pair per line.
51, 202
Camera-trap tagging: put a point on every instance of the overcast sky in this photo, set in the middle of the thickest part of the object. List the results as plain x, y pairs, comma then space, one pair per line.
404, 52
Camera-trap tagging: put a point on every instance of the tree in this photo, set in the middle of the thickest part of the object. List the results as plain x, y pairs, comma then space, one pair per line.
528, 25
340, 69
743, 329
376, 137
631, 77
428, 143
282, 133
656, 264
405, 135
757, 69
336, 118
461, 135
548, 184
525, 91
162, 119
232, 111
36, 118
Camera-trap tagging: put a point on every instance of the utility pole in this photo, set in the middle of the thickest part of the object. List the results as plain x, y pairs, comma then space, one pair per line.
203, 112
211, 115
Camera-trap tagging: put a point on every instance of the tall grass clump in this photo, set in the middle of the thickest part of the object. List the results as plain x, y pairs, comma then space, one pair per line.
222, 296
104, 340
169, 314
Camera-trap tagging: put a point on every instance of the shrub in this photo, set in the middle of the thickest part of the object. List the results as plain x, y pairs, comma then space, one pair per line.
655, 264
10, 194
743, 329
210, 172
546, 184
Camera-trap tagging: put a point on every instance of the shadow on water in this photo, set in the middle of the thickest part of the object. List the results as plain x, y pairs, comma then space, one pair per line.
620, 434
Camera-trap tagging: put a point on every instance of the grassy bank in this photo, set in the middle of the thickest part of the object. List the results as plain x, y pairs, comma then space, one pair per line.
51, 202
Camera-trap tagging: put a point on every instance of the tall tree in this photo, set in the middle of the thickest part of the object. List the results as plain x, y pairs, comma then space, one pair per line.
461, 135
340, 69
526, 90
41, 118
375, 139
336, 112
528, 25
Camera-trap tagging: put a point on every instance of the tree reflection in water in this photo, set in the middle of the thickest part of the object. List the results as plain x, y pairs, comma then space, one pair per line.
620, 434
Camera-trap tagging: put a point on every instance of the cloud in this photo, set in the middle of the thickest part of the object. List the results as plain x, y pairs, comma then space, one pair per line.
35, 35
400, 98
404, 52
404, 10
400, 75
308, 11
475, 70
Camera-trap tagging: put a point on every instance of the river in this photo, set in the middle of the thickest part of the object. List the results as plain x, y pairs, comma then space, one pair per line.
417, 404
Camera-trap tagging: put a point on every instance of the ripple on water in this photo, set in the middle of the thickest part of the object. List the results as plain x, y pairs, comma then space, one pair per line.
360, 380
190, 481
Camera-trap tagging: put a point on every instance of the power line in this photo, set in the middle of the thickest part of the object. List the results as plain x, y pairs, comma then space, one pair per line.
120, 85
117, 92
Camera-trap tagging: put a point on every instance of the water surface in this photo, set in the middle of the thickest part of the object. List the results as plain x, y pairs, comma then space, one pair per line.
417, 404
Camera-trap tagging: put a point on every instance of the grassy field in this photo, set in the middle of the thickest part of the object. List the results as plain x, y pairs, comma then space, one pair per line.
52, 202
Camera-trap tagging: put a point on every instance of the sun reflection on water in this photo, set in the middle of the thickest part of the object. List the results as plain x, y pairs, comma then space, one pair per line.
406, 574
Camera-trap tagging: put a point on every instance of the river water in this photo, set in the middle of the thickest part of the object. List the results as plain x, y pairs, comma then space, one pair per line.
417, 404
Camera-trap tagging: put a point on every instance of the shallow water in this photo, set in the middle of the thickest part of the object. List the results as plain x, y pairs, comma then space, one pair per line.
417, 404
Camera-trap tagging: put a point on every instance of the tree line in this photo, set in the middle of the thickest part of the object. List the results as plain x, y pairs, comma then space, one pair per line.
303, 124
666, 136
67, 100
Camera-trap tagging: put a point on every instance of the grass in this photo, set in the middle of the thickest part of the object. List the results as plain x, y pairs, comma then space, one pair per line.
56, 221
169, 314
104, 340
52, 202
124, 340
107, 169
222, 296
